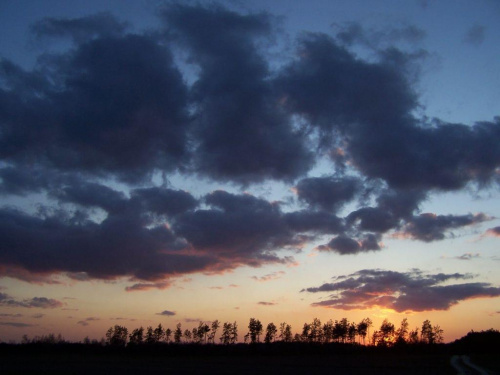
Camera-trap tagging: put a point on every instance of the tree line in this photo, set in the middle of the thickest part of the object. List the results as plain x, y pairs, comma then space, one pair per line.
339, 331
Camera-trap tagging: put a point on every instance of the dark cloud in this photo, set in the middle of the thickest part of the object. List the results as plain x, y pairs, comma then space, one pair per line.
336, 91
313, 221
167, 313
238, 227
372, 219
113, 104
402, 292
328, 193
266, 303
35, 302
430, 227
242, 132
475, 35
118, 246
163, 201
16, 324
369, 107
79, 29
344, 245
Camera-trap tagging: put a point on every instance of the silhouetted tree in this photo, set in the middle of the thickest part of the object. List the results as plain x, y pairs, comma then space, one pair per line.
426, 333
168, 335
285, 332
158, 333
225, 338
203, 330
254, 330
271, 332
340, 330
402, 332
178, 333
150, 336
229, 333
385, 335
438, 334
306, 329
187, 335
328, 331
315, 331
215, 326
137, 336
352, 332
234, 333
413, 336
117, 336
363, 327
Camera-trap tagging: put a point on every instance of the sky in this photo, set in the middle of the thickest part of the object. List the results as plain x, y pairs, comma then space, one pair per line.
177, 162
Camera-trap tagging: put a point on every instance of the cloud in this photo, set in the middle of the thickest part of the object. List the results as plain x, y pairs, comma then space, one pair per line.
495, 232
328, 193
6, 315
86, 321
112, 117
17, 324
355, 33
79, 29
430, 227
266, 303
102, 127
346, 100
191, 320
38, 316
468, 256
238, 228
147, 286
242, 133
271, 276
35, 302
343, 244
314, 222
167, 313
401, 291
475, 35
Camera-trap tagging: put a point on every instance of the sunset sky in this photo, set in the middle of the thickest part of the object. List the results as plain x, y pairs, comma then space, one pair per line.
166, 162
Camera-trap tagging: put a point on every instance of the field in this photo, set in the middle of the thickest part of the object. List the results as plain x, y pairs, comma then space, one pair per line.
240, 359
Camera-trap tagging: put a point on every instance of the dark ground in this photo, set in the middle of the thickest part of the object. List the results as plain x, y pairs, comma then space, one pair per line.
244, 359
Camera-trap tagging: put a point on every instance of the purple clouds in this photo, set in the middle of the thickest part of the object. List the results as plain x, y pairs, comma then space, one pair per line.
400, 291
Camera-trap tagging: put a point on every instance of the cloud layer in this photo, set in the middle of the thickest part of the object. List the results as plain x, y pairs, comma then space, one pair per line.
91, 128
400, 291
